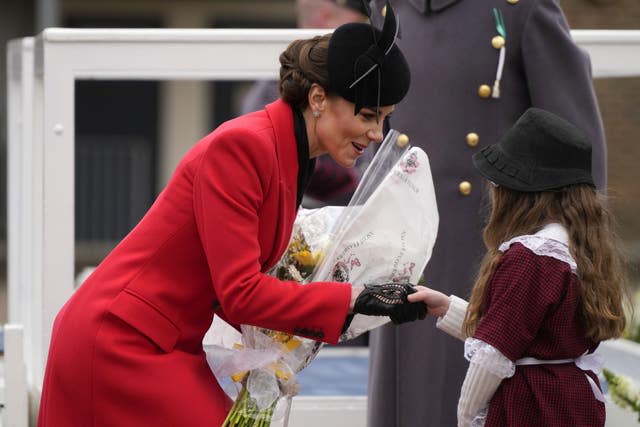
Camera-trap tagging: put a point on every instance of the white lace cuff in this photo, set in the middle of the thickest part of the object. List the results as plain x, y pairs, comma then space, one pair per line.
451, 322
490, 358
477, 390
480, 419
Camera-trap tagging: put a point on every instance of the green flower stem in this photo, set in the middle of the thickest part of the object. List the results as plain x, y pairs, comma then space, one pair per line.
245, 412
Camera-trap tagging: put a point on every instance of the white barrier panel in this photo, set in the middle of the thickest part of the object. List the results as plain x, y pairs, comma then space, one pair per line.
614, 53
14, 391
21, 196
320, 411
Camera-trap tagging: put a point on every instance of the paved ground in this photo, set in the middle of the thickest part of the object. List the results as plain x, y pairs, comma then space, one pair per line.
343, 372
336, 372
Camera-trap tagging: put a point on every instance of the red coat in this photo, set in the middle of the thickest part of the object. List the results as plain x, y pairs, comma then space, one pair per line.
126, 349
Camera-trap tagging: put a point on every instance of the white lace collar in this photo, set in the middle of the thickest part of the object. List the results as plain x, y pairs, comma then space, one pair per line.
552, 240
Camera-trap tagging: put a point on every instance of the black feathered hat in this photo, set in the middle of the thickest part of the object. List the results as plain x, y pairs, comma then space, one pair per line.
540, 152
365, 65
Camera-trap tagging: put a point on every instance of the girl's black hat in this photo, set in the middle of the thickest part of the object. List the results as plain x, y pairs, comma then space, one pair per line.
540, 152
365, 65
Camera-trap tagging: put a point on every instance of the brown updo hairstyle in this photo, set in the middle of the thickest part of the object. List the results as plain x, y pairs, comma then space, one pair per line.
303, 63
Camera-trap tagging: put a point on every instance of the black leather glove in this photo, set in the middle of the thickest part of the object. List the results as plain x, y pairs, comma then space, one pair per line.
390, 299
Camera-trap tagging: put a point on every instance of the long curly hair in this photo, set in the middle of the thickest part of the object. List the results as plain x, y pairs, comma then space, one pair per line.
592, 243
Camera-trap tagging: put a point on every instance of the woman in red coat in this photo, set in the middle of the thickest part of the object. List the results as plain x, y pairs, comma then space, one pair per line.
126, 349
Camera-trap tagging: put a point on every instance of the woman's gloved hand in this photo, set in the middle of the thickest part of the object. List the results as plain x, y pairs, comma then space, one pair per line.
390, 299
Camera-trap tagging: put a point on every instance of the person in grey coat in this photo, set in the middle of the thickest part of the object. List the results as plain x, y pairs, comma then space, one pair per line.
464, 97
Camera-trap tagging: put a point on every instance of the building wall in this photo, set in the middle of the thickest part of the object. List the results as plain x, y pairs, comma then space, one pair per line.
602, 14
620, 107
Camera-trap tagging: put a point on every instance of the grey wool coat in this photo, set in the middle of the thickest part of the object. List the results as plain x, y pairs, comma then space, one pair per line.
416, 371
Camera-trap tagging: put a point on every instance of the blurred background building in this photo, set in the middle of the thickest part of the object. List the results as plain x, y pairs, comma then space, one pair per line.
131, 134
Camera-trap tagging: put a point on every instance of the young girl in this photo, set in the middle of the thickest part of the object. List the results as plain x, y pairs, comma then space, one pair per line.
550, 288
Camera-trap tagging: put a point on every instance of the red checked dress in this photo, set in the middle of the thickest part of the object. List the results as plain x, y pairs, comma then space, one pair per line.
531, 310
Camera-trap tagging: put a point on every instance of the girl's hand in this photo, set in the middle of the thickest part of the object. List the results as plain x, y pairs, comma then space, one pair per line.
437, 302
389, 299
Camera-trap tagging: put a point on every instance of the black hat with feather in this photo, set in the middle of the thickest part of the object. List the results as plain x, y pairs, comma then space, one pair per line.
366, 66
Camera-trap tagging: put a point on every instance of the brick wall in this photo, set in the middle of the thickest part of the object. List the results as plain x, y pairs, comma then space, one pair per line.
602, 14
619, 102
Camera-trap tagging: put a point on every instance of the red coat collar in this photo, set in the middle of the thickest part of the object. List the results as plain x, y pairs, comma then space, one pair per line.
281, 116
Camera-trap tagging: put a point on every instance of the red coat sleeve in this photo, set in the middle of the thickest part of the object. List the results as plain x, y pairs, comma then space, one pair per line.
230, 185
522, 291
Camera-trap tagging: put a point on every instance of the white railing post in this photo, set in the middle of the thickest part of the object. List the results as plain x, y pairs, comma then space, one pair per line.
24, 300
16, 406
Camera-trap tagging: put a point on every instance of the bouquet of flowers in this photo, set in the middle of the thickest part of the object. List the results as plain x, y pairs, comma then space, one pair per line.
386, 234
623, 392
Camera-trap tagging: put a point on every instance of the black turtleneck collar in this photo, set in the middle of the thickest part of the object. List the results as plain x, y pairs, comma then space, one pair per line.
305, 164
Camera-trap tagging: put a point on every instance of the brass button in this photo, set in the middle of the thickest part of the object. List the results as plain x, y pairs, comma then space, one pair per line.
383, 12
512, 1
497, 42
484, 91
402, 140
465, 188
472, 139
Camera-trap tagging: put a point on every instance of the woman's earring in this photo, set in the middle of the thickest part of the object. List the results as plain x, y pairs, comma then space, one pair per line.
316, 113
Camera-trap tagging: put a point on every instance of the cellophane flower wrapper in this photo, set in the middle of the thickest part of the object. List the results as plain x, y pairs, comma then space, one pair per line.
388, 230
385, 234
